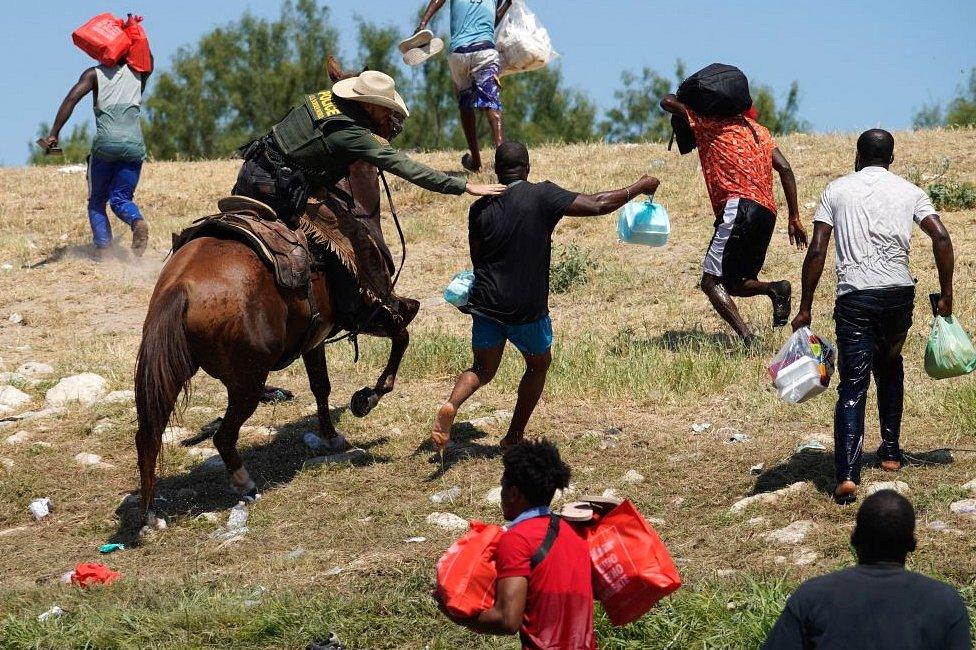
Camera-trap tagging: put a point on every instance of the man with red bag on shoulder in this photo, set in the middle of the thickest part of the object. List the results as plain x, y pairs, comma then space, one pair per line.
544, 590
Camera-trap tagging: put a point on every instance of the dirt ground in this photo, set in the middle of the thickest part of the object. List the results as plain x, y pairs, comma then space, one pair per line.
640, 358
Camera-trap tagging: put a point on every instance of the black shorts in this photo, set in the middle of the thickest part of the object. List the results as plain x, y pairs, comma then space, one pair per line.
738, 248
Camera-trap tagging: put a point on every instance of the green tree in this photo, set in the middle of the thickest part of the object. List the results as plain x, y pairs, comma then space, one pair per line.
779, 119
961, 111
638, 115
237, 81
76, 146
540, 109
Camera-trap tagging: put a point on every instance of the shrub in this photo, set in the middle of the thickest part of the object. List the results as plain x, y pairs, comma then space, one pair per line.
953, 195
571, 268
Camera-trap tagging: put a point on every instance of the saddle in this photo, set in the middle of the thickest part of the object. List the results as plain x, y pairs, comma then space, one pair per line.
283, 250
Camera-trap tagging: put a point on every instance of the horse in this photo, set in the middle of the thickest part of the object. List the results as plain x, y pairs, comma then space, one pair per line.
216, 307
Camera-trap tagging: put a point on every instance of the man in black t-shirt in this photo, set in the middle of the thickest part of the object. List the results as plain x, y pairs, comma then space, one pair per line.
878, 603
510, 237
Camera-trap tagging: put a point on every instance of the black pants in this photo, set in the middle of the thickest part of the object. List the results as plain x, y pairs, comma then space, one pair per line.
871, 328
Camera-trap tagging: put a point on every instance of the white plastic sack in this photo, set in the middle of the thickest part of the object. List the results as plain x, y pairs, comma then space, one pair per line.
522, 42
803, 367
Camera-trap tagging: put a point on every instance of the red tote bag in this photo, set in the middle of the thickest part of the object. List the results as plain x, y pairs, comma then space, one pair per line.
103, 39
632, 569
466, 572
139, 57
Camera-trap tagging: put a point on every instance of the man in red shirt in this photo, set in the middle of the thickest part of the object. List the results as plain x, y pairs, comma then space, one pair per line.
544, 590
738, 156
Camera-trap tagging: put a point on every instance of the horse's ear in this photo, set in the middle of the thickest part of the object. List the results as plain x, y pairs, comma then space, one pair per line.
336, 73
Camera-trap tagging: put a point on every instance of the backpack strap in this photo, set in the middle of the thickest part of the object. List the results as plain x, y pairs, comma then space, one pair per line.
550, 539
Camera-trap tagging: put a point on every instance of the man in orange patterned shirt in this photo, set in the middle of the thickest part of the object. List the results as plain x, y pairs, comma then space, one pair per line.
738, 156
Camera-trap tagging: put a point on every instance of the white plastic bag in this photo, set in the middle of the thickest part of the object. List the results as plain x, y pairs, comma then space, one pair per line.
803, 367
522, 42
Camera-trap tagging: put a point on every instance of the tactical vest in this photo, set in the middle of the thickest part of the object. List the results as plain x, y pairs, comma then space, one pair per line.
299, 134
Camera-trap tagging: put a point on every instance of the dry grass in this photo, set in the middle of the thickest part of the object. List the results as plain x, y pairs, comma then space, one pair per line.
637, 350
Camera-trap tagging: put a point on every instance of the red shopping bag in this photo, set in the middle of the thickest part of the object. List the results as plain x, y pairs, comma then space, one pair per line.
466, 572
139, 57
632, 569
93, 573
103, 39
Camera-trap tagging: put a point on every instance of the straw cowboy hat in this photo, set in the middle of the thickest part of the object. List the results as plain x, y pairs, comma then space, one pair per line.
372, 87
421, 46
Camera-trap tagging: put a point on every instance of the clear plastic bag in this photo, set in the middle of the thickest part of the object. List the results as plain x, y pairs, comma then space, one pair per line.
949, 352
457, 291
523, 43
803, 367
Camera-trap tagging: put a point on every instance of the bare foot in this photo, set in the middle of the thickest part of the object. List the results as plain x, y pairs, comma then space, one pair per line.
441, 432
511, 439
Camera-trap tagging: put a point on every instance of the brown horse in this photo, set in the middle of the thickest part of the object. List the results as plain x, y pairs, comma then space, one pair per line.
216, 307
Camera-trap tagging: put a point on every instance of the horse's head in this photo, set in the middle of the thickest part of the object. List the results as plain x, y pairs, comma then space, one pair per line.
336, 72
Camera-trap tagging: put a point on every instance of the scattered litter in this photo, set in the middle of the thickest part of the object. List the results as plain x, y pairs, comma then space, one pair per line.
54, 612
16, 318
40, 508
295, 553
119, 397
416, 540
93, 573
633, 477
236, 524
757, 469
768, 498
810, 445
447, 521
35, 369
111, 548
737, 436
72, 169
698, 427
446, 496
12, 397
67, 576
345, 457
494, 496
898, 486
794, 533
86, 388
964, 508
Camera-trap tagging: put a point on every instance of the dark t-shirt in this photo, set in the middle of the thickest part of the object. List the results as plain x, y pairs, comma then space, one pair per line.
511, 246
871, 606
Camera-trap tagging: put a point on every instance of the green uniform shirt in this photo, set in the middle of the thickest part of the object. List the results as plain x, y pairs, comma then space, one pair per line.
325, 136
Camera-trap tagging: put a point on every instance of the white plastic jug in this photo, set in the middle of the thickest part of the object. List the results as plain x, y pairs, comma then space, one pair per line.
644, 222
458, 289
799, 381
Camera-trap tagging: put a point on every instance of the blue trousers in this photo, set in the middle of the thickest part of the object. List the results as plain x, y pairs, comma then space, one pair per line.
871, 328
111, 182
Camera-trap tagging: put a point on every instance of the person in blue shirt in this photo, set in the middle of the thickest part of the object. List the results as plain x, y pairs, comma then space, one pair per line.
475, 65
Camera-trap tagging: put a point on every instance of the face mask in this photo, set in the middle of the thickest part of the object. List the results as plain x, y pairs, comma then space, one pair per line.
394, 125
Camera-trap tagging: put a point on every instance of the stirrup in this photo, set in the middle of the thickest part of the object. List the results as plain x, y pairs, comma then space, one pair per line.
237, 203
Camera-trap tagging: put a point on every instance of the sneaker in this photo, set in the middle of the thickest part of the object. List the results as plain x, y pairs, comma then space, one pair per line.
782, 302
140, 237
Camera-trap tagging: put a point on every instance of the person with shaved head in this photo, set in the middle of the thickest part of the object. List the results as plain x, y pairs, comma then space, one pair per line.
878, 603
872, 212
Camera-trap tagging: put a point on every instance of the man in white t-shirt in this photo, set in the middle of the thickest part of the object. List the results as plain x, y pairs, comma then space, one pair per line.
872, 212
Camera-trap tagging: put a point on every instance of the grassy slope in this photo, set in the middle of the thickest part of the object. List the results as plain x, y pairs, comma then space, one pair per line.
636, 349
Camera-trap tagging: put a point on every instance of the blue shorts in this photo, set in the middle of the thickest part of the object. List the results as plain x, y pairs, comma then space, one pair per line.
531, 338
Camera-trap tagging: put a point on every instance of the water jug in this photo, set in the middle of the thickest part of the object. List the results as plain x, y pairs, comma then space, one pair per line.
457, 291
644, 222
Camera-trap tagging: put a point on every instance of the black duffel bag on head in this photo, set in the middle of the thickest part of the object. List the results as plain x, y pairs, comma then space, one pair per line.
716, 90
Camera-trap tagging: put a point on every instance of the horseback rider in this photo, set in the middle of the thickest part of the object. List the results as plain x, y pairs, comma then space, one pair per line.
317, 141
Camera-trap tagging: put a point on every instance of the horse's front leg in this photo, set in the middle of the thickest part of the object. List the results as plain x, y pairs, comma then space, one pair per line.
318, 379
365, 399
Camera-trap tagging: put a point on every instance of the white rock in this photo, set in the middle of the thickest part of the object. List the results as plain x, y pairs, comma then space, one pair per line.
35, 369
12, 397
446, 496
102, 426
447, 521
610, 493
119, 397
12, 377
937, 525
202, 452
174, 435
494, 496
756, 522
805, 556
898, 486
18, 438
964, 508
91, 460
769, 498
633, 477
698, 427
86, 388
488, 420
345, 457
32, 415
15, 318
970, 486
795, 533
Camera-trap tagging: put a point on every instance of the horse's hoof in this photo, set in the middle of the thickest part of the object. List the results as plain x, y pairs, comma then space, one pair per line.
363, 401
251, 495
335, 444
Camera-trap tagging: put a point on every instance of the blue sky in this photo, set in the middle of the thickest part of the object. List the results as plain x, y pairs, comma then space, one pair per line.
859, 63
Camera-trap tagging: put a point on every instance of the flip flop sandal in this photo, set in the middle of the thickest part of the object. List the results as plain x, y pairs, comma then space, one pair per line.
577, 512
420, 39
601, 503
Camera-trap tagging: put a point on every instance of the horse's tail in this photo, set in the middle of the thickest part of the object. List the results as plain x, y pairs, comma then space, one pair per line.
163, 369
